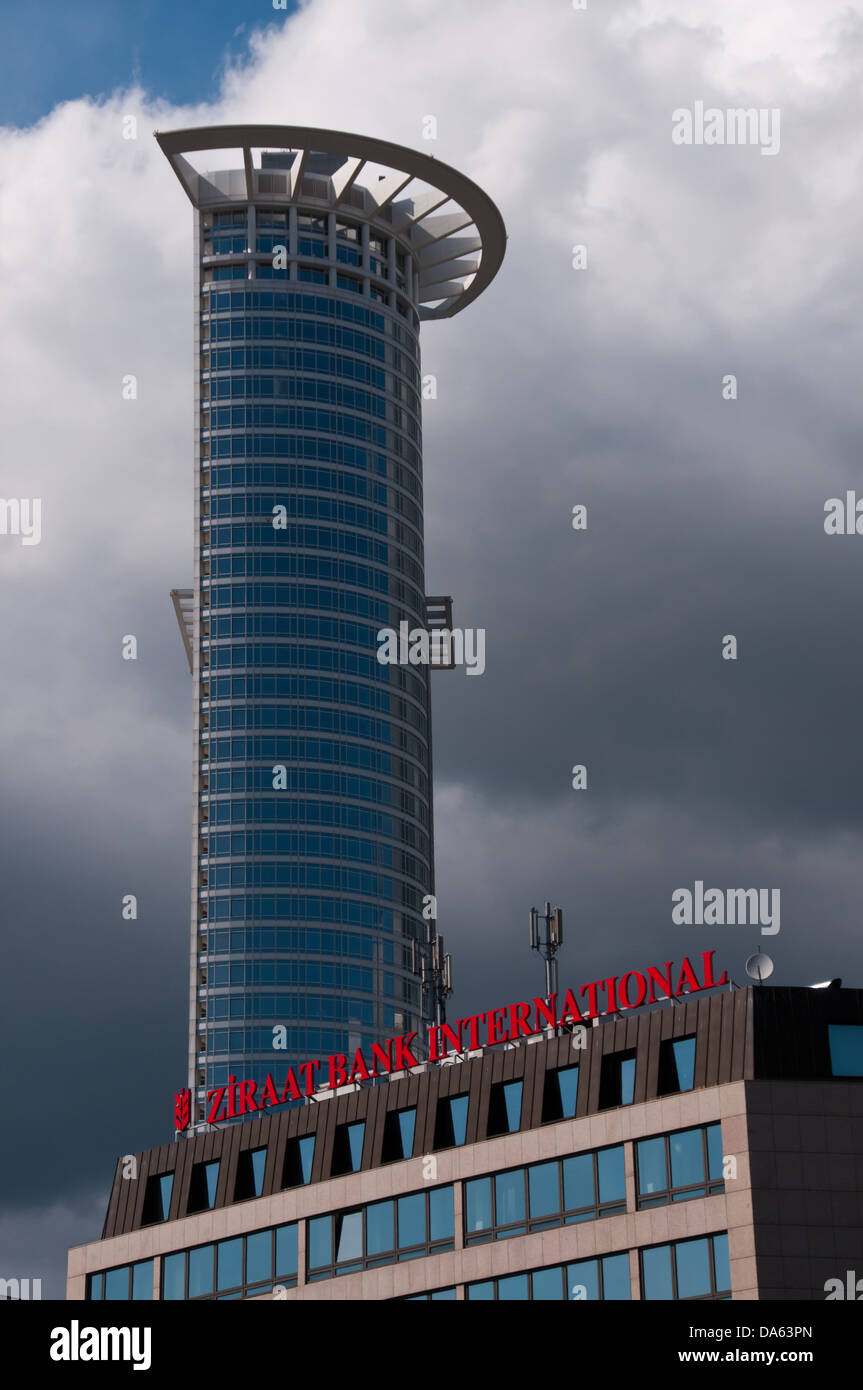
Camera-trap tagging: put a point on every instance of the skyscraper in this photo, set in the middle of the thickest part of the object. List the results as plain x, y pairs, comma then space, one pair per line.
317, 255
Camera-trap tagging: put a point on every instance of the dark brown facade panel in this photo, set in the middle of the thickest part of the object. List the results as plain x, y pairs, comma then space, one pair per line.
594, 1067
633, 1029
714, 1038
667, 1021
686, 1019
227, 1179
653, 1044
124, 1205
702, 1039
479, 1091
322, 1158
272, 1170
726, 1038
512, 1065
302, 1122
111, 1225
276, 1156
426, 1112
534, 1081
376, 1114
749, 1038
176, 1164
498, 1074
450, 1080
739, 1000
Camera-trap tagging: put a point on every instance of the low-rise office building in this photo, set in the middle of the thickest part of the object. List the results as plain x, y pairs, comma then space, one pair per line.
708, 1149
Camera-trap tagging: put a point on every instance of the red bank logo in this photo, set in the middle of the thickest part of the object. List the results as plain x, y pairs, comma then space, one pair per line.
182, 1109
506, 1024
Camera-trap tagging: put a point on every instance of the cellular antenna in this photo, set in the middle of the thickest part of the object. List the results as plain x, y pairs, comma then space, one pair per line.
547, 942
434, 968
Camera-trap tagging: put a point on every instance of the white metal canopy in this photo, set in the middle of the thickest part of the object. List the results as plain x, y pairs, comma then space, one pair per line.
458, 249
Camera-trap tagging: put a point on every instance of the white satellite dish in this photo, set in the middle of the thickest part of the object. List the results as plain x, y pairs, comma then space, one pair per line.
759, 967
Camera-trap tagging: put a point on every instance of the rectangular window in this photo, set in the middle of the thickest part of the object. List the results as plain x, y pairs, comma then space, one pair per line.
687, 1269
297, 1169
174, 1276
398, 1140
676, 1066
679, 1166
251, 1164
411, 1220
451, 1122
559, 1094
157, 1198
348, 1149
617, 1080
142, 1280
287, 1262
504, 1108
311, 222
846, 1048
202, 1187
229, 1263
541, 1196
348, 1240
380, 1231
201, 1276
259, 1258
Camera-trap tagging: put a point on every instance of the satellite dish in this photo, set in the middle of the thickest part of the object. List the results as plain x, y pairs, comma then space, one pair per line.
759, 967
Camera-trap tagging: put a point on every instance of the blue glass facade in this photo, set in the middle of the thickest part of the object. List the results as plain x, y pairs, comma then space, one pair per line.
314, 826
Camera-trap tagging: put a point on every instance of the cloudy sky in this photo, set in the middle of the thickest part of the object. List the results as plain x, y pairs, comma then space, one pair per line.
600, 386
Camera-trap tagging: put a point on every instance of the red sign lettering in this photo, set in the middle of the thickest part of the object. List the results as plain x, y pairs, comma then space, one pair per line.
505, 1024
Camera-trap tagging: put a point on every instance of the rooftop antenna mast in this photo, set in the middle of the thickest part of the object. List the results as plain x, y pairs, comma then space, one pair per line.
548, 943
435, 971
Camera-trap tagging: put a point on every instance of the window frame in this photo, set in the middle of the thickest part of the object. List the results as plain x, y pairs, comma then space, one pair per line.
710, 1187
244, 1289
716, 1295
565, 1216
397, 1254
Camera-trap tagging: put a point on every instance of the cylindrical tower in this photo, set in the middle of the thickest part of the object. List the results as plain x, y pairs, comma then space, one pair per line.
316, 257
